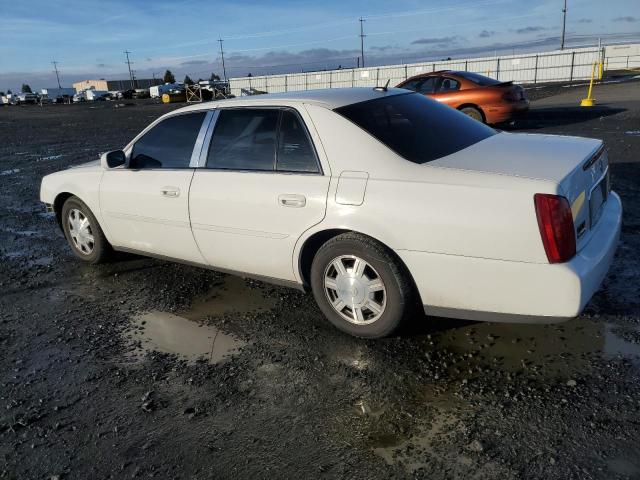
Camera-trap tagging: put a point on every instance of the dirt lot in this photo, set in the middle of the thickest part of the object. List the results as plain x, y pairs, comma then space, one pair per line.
88, 389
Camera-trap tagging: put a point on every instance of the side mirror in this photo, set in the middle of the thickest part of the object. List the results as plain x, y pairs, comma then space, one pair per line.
113, 159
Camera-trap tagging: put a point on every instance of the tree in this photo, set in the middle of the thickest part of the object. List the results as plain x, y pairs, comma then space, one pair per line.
26, 88
187, 80
214, 77
1, 94
168, 77
9, 92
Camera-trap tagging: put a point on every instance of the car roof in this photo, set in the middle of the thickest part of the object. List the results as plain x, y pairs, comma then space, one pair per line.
329, 98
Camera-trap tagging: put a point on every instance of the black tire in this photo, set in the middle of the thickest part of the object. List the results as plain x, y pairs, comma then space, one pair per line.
101, 250
400, 297
474, 113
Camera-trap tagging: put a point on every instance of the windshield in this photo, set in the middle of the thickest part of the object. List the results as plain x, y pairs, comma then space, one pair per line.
415, 127
478, 79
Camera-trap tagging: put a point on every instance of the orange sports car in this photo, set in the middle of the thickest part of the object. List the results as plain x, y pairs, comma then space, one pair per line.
483, 98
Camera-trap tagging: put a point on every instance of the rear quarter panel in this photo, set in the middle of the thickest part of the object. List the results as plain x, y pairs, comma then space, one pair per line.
426, 208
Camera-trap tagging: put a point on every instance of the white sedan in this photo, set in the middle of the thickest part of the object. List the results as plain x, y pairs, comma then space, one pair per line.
377, 200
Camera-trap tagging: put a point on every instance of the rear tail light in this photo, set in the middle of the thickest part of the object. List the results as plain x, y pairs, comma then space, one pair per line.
556, 227
513, 94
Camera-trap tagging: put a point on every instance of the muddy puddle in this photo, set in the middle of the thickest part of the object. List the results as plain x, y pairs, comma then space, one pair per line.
187, 334
556, 348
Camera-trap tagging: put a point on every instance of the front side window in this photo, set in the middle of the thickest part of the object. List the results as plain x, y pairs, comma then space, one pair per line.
449, 85
169, 144
421, 85
416, 127
428, 85
244, 139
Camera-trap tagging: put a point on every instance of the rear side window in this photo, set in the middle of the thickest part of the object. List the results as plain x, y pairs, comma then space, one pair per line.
169, 144
416, 127
295, 152
244, 139
479, 79
264, 139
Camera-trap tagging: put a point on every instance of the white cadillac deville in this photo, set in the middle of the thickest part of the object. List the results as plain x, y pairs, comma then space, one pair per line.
377, 200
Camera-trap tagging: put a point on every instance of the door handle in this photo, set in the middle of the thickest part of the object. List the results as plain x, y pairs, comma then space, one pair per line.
170, 191
292, 200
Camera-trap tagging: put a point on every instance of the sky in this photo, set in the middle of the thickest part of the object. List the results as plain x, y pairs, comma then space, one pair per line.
88, 37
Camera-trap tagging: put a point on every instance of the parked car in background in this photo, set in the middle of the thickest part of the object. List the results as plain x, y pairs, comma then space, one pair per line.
26, 98
58, 95
157, 90
376, 200
483, 98
141, 93
96, 95
124, 94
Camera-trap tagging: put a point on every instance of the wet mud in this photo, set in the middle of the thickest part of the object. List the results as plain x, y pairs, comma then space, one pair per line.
146, 369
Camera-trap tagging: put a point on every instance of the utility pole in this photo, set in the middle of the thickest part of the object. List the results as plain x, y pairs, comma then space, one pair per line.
224, 70
564, 23
362, 35
55, 68
128, 62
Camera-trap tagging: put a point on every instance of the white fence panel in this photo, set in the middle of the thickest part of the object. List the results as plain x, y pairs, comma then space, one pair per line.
554, 66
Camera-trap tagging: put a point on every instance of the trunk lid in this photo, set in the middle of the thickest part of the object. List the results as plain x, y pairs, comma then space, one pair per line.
579, 166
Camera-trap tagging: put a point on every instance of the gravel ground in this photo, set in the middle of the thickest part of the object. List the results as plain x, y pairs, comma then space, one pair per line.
86, 393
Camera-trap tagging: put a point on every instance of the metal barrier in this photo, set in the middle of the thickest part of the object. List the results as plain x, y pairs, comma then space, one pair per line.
555, 66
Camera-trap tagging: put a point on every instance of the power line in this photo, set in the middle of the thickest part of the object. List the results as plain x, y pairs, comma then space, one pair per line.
224, 70
564, 24
362, 35
55, 68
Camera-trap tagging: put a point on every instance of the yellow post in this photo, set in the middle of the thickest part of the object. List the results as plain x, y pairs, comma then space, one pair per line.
590, 102
600, 70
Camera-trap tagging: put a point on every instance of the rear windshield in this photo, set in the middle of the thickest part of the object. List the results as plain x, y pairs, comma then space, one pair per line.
478, 79
415, 127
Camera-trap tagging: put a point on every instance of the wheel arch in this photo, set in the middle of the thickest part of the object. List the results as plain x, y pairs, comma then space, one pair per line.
58, 202
313, 243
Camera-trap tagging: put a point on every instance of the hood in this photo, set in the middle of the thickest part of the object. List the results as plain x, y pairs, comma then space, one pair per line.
93, 163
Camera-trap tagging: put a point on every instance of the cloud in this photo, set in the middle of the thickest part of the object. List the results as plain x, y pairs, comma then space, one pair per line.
529, 29
103, 65
437, 40
585, 20
190, 63
486, 33
383, 48
627, 19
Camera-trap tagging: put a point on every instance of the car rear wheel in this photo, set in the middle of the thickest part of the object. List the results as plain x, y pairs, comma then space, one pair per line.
83, 232
360, 286
474, 113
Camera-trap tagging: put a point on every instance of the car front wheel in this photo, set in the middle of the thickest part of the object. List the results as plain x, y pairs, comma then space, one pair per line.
361, 287
83, 232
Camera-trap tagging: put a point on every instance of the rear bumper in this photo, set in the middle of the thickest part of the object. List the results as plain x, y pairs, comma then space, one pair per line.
505, 111
504, 291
